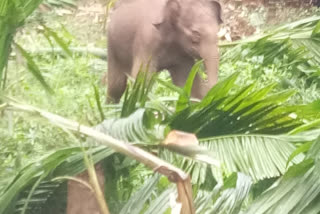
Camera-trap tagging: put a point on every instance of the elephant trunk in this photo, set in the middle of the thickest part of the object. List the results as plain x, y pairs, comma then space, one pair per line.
201, 88
210, 55
212, 66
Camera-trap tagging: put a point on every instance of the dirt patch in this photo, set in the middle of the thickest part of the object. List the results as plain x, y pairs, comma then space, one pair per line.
243, 18
86, 22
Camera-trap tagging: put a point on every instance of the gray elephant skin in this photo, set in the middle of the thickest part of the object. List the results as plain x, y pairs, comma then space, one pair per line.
166, 34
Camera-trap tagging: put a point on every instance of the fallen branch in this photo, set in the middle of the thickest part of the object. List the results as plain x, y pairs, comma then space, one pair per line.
173, 173
98, 52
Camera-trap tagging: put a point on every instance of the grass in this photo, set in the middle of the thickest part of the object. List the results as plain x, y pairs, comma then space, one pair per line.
250, 71
24, 138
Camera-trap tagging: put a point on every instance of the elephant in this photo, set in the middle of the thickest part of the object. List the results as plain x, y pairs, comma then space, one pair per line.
165, 34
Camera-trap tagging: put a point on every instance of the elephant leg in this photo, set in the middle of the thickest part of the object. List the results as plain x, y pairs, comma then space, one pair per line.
117, 79
142, 64
145, 66
137, 66
200, 87
179, 73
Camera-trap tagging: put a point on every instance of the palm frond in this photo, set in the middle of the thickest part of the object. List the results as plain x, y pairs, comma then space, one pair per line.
231, 196
184, 98
226, 198
141, 126
306, 136
297, 192
13, 14
60, 3
6, 37
136, 203
60, 163
294, 45
248, 110
48, 197
137, 97
260, 156
162, 203
24, 9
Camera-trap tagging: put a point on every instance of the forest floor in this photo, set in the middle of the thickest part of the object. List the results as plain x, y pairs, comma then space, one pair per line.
241, 19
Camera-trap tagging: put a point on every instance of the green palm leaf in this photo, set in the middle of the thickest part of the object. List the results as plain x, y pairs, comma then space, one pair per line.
136, 96
12, 15
60, 163
231, 196
298, 192
138, 200
141, 126
60, 3
260, 156
161, 204
226, 198
248, 110
295, 45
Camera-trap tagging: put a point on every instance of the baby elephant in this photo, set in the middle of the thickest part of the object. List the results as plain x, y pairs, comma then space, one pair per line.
166, 34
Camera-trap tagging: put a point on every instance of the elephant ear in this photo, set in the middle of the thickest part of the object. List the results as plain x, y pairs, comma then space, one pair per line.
170, 13
217, 10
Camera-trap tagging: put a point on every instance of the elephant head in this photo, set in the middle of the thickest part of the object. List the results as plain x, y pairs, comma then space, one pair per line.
194, 25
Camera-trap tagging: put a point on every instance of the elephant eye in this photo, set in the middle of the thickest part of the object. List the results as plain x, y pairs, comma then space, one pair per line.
195, 37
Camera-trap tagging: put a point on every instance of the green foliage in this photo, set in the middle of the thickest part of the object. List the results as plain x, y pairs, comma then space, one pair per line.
297, 192
64, 162
260, 156
12, 15
137, 97
60, 3
136, 203
34, 69
287, 54
294, 43
256, 122
232, 197
184, 100
141, 126
247, 110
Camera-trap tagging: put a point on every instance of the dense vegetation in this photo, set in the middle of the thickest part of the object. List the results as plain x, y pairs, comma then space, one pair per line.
257, 128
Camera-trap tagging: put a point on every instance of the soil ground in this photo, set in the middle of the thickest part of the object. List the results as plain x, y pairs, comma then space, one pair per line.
242, 18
